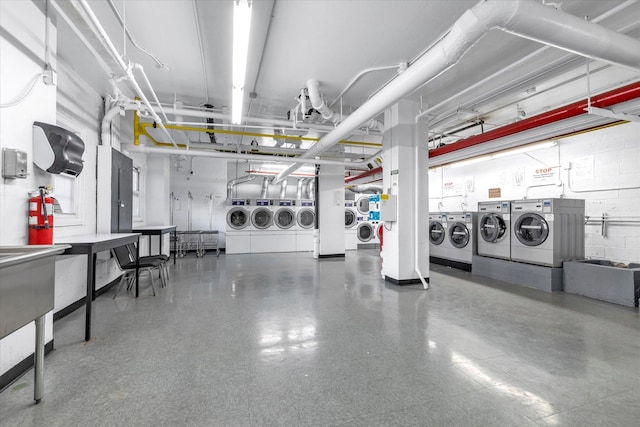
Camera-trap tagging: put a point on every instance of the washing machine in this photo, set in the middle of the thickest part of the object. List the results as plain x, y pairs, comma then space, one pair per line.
284, 219
350, 225
547, 231
494, 229
262, 226
362, 205
461, 236
238, 234
438, 240
365, 232
305, 224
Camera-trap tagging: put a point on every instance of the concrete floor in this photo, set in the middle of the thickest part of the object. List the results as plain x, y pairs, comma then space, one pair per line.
282, 339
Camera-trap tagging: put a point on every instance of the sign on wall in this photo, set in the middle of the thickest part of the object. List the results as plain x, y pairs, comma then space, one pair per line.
495, 193
544, 175
583, 168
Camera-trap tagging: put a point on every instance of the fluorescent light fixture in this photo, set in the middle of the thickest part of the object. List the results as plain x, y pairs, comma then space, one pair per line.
241, 30
505, 153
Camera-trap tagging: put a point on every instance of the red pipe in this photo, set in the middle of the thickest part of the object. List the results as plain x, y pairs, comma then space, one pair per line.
603, 100
363, 175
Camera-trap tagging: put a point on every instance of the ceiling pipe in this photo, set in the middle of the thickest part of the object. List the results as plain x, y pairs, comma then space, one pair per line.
363, 188
524, 18
398, 67
234, 156
603, 100
232, 184
318, 103
373, 171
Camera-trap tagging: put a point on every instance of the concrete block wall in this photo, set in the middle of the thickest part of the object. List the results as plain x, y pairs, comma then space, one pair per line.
602, 167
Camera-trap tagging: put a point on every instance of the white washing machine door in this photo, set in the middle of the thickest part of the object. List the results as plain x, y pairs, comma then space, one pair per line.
350, 218
531, 229
492, 228
285, 218
306, 218
459, 235
237, 218
437, 232
365, 232
363, 205
262, 218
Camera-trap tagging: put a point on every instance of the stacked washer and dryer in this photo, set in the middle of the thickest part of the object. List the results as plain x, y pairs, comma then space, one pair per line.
350, 225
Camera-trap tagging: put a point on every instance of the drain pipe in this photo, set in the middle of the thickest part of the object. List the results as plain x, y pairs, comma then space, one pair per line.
232, 184
524, 18
264, 193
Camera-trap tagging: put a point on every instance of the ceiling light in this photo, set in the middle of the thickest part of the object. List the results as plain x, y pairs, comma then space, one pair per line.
241, 30
524, 149
470, 161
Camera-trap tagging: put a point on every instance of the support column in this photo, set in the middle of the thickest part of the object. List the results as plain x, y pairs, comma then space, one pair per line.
405, 174
330, 203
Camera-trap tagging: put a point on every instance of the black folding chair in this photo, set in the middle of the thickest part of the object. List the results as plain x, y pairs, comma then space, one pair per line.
127, 263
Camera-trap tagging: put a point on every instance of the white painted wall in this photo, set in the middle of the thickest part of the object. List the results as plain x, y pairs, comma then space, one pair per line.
605, 172
331, 209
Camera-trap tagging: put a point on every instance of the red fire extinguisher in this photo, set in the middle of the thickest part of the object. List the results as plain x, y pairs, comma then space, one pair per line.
41, 219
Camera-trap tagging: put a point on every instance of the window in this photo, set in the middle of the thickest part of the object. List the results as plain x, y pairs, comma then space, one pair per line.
137, 184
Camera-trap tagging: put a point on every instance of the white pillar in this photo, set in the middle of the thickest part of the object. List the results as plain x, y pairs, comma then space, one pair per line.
331, 210
405, 165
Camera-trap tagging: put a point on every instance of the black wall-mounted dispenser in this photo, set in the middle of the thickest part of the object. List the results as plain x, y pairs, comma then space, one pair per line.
57, 150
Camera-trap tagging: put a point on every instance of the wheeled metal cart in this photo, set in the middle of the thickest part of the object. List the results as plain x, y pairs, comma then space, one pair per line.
210, 240
190, 241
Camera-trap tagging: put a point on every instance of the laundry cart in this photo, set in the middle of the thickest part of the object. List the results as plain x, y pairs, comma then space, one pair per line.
210, 240
190, 241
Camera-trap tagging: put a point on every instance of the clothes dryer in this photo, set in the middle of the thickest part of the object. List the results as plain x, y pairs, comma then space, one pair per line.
306, 223
350, 225
461, 236
494, 229
284, 219
262, 226
365, 232
547, 231
438, 241
238, 236
362, 205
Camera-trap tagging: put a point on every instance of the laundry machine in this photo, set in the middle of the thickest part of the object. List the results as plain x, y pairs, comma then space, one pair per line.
284, 219
350, 225
365, 232
238, 235
305, 224
362, 205
494, 229
262, 226
461, 236
438, 240
547, 231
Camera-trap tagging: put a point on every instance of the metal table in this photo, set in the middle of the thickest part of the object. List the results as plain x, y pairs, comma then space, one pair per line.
157, 230
90, 245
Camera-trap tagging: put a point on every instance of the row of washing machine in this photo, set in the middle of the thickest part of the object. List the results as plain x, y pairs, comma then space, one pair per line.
362, 222
538, 231
270, 225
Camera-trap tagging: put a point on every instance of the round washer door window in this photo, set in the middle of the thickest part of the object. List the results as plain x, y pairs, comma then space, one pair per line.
365, 232
349, 218
306, 218
237, 218
531, 229
436, 232
285, 218
363, 205
459, 235
492, 228
262, 218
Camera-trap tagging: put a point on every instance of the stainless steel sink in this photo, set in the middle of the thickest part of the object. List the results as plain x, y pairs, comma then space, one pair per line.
27, 276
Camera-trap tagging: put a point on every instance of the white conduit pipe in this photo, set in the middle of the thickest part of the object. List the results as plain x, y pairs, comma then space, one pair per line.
524, 18
400, 67
234, 156
313, 87
121, 63
416, 213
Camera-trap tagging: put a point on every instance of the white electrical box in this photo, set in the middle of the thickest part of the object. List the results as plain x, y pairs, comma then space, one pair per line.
388, 207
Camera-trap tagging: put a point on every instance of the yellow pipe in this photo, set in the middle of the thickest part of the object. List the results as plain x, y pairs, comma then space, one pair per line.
143, 127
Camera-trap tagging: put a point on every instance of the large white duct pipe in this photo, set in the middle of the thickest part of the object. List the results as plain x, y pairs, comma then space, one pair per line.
363, 188
264, 193
283, 189
317, 101
525, 18
232, 184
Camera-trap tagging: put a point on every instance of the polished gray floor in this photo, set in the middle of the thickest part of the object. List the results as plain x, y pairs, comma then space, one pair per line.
282, 339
